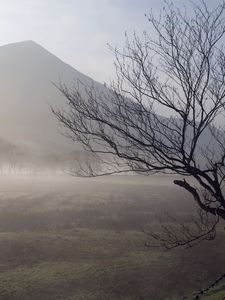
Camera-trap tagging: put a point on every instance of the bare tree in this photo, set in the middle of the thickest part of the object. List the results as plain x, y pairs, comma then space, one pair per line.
178, 70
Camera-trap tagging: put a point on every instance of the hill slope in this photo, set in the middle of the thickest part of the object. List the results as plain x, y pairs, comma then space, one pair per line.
27, 74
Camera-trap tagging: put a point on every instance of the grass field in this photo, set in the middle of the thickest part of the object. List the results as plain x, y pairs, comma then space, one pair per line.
67, 238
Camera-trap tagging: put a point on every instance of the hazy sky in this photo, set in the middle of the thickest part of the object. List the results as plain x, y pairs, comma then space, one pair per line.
77, 31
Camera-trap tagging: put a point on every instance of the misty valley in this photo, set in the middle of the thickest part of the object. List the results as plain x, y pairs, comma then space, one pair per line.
114, 190
64, 237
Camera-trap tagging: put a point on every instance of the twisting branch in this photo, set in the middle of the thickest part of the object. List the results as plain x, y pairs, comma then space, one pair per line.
183, 233
204, 291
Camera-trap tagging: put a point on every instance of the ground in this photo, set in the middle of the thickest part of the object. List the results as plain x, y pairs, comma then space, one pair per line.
67, 238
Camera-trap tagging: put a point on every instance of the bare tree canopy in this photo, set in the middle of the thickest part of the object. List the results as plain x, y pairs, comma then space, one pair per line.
178, 70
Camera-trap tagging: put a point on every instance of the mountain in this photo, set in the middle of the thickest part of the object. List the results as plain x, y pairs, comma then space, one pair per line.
27, 126
27, 74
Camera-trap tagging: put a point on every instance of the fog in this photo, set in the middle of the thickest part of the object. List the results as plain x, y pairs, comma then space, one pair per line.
65, 237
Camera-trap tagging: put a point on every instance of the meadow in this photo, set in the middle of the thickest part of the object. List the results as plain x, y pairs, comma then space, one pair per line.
67, 238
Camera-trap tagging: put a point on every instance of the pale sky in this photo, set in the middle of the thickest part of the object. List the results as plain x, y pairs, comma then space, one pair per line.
77, 31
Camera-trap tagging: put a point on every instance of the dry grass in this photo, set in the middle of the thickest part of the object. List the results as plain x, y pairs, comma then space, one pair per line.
63, 238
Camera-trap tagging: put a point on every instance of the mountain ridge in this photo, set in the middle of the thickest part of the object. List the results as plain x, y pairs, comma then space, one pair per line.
27, 74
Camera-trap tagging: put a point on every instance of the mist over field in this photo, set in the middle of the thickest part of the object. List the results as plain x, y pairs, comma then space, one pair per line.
73, 238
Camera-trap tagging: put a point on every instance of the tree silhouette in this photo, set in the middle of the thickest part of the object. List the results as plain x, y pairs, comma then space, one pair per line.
178, 70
